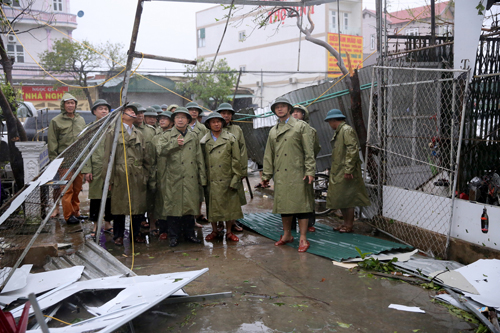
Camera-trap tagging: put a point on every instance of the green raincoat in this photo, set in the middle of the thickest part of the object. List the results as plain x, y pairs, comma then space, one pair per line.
289, 157
94, 166
199, 129
238, 133
316, 145
148, 132
344, 193
184, 174
138, 171
63, 130
222, 162
159, 166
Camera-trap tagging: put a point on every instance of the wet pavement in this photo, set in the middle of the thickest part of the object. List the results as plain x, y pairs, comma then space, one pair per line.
276, 289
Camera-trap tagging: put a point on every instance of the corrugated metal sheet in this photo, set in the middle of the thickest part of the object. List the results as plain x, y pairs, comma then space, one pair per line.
324, 242
336, 98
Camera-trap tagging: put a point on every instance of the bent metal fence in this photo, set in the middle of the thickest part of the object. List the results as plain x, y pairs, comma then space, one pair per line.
27, 215
414, 136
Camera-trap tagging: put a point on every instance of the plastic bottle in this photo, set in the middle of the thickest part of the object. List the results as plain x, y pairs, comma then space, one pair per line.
485, 222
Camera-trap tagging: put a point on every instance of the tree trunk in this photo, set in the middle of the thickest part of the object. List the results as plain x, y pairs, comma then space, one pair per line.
16, 159
89, 98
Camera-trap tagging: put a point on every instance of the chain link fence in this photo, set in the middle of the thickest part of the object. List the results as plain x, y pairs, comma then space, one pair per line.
27, 214
414, 133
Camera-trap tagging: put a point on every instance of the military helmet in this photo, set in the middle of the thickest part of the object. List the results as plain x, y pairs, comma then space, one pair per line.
182, 110
166, 114
133, 106
100, 102
156, 107
172, 106
214, 115
194, 105
164, 106
150, 112
334, 114
281, 100
304, 110
225, 106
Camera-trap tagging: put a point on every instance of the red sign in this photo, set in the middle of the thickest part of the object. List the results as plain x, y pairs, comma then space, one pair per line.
43, 93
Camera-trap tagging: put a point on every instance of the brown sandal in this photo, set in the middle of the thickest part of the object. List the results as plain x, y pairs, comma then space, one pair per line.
212, 236
345, 230
338, 228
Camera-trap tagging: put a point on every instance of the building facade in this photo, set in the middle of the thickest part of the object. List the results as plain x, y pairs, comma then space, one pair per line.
35, 27
276, 58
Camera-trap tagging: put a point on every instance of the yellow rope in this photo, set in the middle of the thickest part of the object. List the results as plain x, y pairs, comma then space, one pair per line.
59, 320
128, 192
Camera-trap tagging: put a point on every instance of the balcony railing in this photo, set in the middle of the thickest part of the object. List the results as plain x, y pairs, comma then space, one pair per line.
41, 16
419, 48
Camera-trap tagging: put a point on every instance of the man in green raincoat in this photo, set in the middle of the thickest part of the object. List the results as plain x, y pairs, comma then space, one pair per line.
289, 158
135, 169
148, 132
184, 176
346, 189
159, 168
151, 118
195, 111
63, 131
300, 112
222, 161
93, 173
227, 112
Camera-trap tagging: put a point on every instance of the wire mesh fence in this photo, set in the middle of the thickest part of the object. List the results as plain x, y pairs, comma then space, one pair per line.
414, 134
27, 214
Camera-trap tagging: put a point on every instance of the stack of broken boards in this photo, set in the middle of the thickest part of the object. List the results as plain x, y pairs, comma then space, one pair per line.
108, 302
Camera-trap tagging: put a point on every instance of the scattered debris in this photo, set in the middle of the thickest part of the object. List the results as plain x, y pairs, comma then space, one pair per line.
406, 308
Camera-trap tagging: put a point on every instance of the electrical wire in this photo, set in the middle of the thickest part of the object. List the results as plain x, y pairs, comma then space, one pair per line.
59, 320
223, 34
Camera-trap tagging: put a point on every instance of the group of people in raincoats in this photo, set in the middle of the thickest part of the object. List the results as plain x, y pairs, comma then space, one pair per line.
170, 163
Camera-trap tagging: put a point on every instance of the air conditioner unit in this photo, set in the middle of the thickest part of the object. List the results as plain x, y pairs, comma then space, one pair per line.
292, 80
11, 38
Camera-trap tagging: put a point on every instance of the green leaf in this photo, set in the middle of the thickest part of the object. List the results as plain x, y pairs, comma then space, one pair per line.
279, 304
177, 280
344, 325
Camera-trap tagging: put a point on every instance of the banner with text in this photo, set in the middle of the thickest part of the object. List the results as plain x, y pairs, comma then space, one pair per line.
348, 43
43, 93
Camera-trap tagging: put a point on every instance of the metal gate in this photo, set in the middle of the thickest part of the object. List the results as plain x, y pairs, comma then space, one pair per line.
414, 137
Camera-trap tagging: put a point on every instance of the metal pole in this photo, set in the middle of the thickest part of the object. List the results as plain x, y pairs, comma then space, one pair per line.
131, 50
236, 89
455, 178
106, 180
38, 313
42, 225
83, 152
379, 16
433, 22
261, 88
162, 58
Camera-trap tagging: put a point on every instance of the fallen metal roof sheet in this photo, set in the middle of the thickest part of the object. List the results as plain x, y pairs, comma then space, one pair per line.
324, 242
426, 266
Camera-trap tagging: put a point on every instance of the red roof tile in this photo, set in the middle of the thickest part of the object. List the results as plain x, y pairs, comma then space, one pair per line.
410, 13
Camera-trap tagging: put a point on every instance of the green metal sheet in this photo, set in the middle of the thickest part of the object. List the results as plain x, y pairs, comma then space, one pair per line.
324, 242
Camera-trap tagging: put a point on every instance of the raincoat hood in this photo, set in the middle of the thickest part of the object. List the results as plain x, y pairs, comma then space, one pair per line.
67, 97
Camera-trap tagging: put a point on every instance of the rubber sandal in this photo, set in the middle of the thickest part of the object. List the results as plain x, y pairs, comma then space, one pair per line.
345, 230
303, 247
283, 242
232, 237
237, 228
212, 236
338, 228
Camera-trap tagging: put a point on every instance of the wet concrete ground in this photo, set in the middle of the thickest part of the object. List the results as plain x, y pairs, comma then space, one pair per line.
276, 289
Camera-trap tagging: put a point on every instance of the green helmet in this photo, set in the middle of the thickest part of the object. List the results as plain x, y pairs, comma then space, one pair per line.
164, 106
133, 106
304, 110
225, 106
100, 102
214, 115
281, 100
194, 105
182, 110
166, 114
334, 114
172, 106
156, 107
150, 112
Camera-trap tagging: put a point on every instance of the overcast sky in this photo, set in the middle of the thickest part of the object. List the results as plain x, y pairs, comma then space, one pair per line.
167, 28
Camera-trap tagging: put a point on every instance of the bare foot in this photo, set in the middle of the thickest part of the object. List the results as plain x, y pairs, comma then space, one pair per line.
55, 213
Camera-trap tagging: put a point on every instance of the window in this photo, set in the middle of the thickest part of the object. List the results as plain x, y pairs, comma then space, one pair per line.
333, 21
372, 42
346, 22
241, 36
201, 37
16, 51
57, 4
411, 32
13, 3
